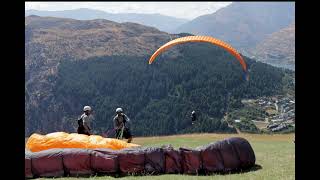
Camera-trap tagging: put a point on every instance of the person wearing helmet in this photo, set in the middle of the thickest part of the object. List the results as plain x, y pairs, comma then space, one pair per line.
193, 117
121, 125
85, 121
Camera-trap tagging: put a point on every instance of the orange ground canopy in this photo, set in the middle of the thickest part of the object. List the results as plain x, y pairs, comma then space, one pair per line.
37, 142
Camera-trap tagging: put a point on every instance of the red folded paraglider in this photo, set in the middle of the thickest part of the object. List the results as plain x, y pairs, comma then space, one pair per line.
222, 156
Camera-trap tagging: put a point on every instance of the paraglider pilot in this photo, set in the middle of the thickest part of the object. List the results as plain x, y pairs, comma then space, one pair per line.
121, 125
193, 117
84, 122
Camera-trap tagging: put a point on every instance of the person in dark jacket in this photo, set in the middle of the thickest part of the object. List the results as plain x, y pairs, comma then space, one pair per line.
85, 121
121, 125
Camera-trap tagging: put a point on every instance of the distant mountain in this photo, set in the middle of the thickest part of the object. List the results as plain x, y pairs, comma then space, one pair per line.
278, 48
161, 22
243, 24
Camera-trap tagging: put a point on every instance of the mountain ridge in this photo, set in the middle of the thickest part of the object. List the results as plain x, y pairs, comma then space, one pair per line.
242, 24
277, 48
162, 22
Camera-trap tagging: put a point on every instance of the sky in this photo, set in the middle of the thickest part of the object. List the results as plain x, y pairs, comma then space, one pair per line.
185, 10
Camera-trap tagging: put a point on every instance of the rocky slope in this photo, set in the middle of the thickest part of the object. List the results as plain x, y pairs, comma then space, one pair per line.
243, 24
278, 48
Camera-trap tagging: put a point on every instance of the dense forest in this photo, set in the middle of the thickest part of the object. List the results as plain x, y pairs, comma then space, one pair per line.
159, 97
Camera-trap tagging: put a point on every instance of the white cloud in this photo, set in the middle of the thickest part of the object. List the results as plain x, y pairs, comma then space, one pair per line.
187, 10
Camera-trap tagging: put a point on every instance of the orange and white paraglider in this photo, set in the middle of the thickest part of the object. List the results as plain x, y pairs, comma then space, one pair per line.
206, 39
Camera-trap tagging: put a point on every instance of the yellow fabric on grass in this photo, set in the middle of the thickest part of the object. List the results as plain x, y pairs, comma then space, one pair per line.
38, 142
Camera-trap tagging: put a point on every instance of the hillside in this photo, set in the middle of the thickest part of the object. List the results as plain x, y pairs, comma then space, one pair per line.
72, 63
161, 22
278, 48
243, 24
48, 41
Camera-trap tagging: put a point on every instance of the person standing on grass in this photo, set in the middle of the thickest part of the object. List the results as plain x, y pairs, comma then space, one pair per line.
85, 121
121, 125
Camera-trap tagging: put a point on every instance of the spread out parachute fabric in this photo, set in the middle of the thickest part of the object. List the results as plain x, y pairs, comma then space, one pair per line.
206, 39
38, 142
232, 154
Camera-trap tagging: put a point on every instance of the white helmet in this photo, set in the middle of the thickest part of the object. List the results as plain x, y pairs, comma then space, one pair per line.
119, 110
87, 108
193, 112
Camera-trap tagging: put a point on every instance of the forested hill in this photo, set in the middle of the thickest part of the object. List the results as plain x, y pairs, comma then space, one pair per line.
158, 98
48, 41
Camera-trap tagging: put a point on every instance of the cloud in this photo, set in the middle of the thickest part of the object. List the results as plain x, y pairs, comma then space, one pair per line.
187, 10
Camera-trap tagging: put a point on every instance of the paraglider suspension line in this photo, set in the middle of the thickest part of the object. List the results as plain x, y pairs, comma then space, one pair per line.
121, 133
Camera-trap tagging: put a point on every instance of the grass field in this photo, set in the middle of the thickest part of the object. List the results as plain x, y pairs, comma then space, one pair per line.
275, 154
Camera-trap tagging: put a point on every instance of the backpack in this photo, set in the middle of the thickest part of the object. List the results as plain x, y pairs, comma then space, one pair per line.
80, 129
80, 122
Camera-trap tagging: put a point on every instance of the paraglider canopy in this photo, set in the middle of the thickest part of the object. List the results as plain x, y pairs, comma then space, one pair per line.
206, 39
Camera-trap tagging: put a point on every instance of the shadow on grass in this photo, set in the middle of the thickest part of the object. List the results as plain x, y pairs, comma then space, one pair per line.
256, 167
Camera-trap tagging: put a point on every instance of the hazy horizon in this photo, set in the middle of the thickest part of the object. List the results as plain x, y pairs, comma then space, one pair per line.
174, 9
